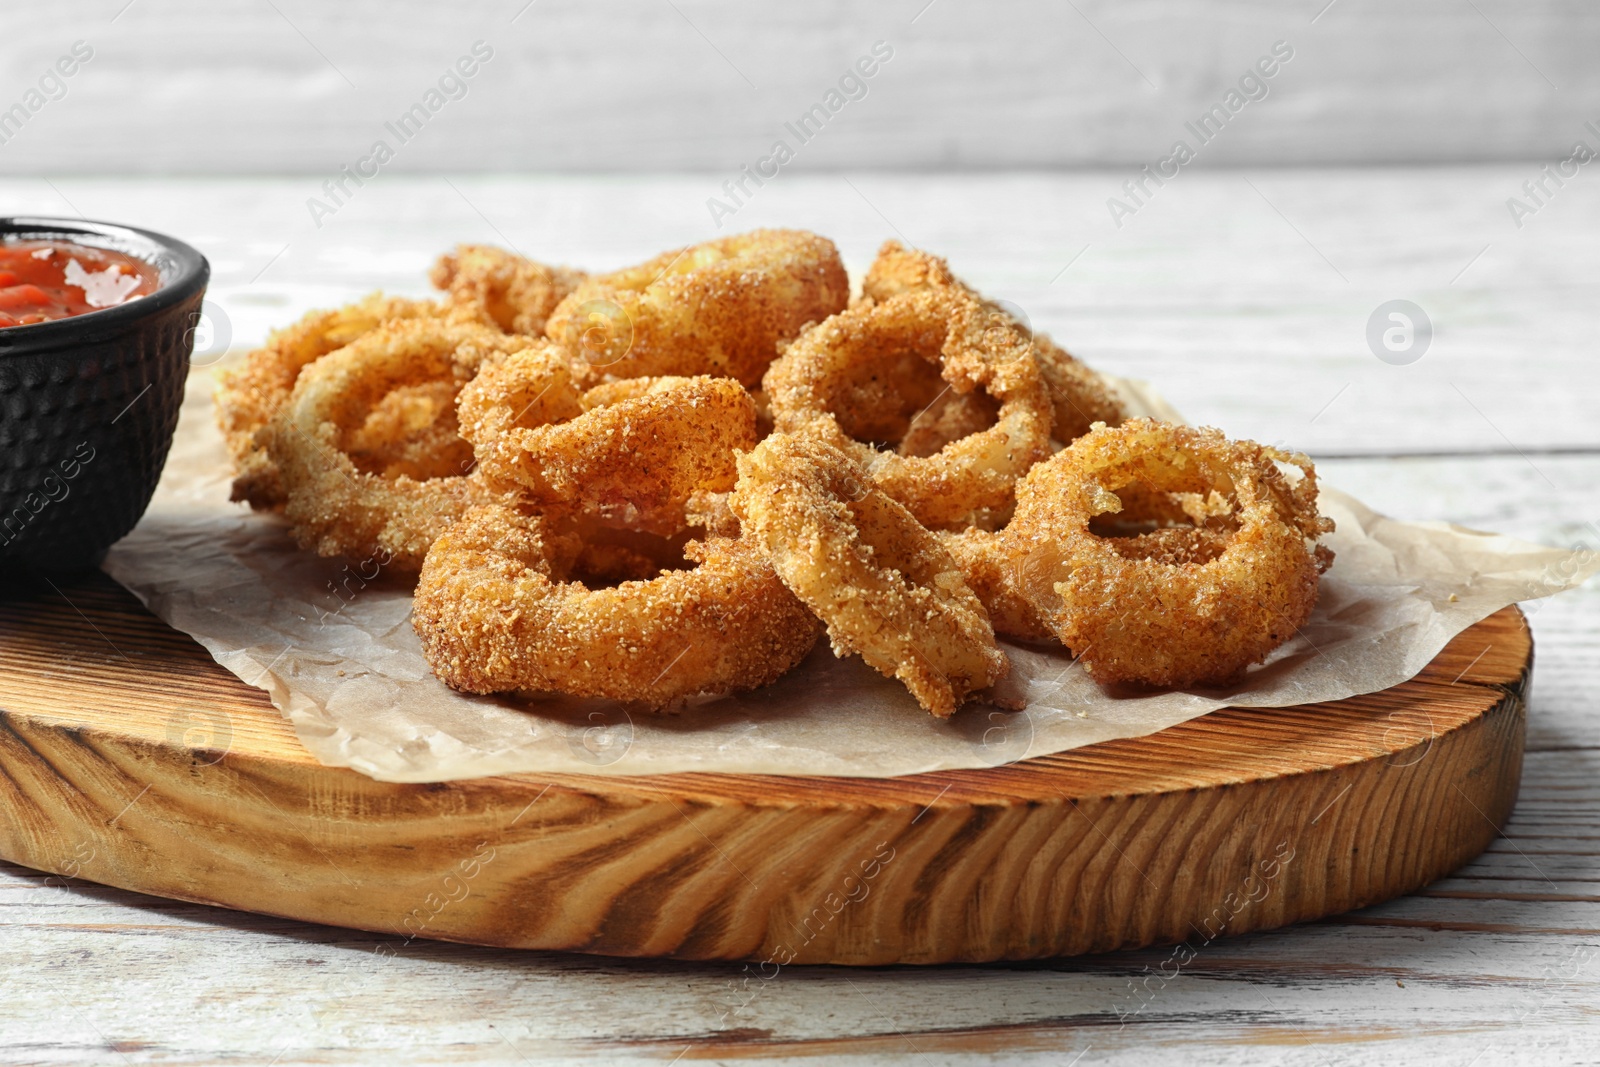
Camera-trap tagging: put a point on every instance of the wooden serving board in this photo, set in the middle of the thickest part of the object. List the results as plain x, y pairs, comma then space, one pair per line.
128, 757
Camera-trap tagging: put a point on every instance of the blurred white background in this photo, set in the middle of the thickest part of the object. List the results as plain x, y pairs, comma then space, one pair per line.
1358, 152
275, 86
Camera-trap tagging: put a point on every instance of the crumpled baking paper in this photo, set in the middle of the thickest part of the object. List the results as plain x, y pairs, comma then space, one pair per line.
332, 645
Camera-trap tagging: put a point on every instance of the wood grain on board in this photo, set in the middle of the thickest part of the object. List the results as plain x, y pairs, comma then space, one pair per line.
122, 741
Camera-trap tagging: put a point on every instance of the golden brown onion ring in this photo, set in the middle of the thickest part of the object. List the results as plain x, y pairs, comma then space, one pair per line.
1078, 396
719, 308
860, 561
496, 612
991, 574
998, 574
502, 289
636, 449
1170, 608
332, 504
846, 381
250, 395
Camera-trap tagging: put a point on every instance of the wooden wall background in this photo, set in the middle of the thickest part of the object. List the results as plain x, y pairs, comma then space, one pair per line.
253, 86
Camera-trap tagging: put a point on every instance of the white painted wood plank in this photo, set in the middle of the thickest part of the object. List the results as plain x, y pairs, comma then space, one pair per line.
186, 86
1243, 295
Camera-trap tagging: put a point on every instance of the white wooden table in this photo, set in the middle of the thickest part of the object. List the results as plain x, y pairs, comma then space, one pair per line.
1245, 297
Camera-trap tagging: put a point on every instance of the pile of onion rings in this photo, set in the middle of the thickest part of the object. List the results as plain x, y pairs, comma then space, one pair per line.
666, 482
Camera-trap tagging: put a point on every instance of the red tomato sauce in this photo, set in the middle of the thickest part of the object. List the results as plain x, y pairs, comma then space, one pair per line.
45, 280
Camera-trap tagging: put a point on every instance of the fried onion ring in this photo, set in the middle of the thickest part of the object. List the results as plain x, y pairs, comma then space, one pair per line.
860, 561
248, 396
637, 448
718, 308
842, 381
412, 431
332, 503
1078, 396
1170, 607
950, 417
501, 289
1151, 525
496, 612
989, 572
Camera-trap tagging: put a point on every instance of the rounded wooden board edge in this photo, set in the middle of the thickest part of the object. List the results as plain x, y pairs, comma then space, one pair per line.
1234, 822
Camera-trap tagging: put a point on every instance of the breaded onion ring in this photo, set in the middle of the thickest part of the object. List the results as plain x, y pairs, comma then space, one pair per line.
1078, 396
501, 289
495, 612
845, 380
332, 504
711, 512
613, 553
1151, 525
640, 446
860, 561
718, 308
991, 574
412, 431
248, 396
1179, 608
950, 417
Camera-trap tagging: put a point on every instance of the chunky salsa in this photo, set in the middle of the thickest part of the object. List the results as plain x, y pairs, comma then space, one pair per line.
45, 280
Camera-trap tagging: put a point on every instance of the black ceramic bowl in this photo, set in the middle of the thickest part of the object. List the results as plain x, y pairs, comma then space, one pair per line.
88, 404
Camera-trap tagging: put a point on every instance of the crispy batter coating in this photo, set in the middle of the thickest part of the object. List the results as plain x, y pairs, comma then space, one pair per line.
248, 396
950, 417
1078, 396
878, 579
719, 308
990, 573
1175, 527
502, 289
711, 512
1170, 607
334, 505
1156, 527
861, 376
412, 431
636, 449
496, 611
613, 553
525, 389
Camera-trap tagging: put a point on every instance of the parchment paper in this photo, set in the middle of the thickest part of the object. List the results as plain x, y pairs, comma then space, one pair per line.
333, 646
